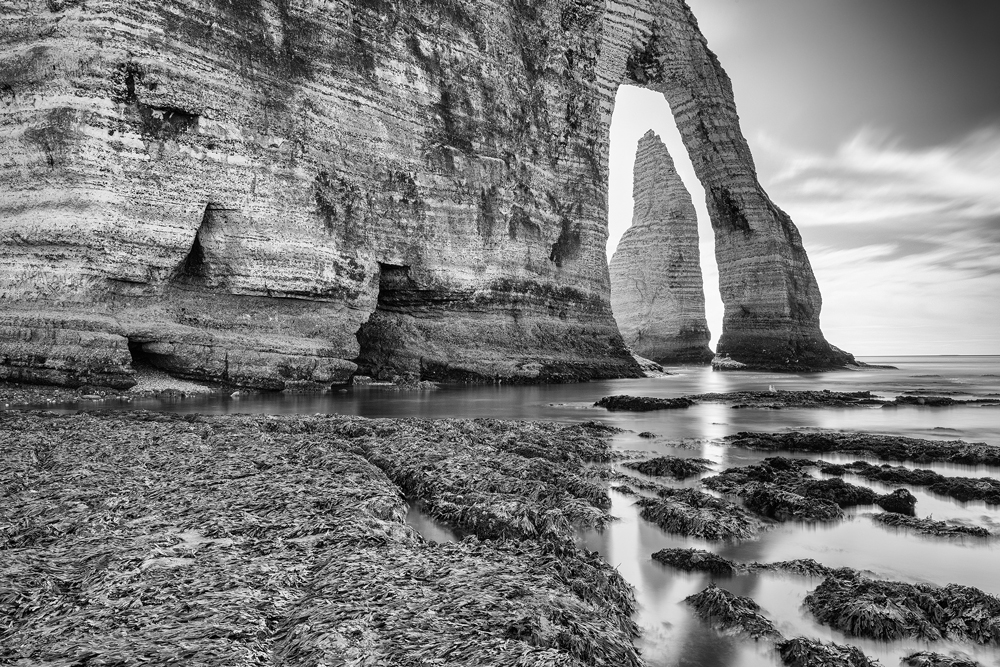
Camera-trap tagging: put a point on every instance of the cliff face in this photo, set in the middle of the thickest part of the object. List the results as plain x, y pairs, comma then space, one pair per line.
230, 190
657, 293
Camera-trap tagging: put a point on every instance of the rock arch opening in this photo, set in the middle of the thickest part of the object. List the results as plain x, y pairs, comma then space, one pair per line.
688, 249
657, 292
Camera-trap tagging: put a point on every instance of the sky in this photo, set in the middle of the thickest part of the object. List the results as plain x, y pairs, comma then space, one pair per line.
876, 125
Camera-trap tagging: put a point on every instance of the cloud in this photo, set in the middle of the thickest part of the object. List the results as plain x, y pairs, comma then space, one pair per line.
905, 242
873, 177
942, 202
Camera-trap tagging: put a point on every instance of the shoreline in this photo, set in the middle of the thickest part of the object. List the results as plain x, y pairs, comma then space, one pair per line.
156, 498
231, 531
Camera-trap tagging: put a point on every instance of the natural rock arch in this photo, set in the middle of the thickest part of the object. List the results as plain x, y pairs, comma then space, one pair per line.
466, 141
771, 297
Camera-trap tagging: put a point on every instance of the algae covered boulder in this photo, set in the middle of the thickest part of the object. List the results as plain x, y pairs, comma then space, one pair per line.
803, 652
696, 514
899, 501
890, 610
732, 613
671, 466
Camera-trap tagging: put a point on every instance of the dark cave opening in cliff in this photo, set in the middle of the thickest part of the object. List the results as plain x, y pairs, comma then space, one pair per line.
140, 358
382, 338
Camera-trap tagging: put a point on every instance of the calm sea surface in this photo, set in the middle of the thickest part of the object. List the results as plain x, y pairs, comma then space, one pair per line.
672, 636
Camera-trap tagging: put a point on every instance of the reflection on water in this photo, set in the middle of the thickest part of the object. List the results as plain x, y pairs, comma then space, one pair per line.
672, 636
973, 376
429, 528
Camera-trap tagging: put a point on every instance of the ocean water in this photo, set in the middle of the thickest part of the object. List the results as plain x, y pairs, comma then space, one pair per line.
672, 636
958, 377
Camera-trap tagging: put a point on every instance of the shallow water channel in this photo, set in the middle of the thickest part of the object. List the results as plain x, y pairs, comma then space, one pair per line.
671, 634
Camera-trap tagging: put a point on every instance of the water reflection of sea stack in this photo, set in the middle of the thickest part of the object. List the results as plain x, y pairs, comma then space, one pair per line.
657, 293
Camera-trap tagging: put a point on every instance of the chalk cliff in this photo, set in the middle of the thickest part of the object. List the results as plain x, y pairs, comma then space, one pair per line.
657, 293
230, 189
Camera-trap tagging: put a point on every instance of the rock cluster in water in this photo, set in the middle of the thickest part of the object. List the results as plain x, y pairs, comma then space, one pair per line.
671, 466
696, 514
928, 526
963, 489
657, 293
768, 400
275, 194
888, 610
888, 447
736, 614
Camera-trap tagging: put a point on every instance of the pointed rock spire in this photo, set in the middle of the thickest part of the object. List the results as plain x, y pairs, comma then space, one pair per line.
657, 293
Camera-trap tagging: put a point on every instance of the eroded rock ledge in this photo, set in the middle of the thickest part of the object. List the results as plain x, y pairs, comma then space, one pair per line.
231, 190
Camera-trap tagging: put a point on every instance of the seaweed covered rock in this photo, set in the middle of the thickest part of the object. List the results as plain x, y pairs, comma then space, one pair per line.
806, 567
626, 403
789, 475
151, 538
671, 466
886, 447
942, 401
691, 512
931, 659
735, 481
496, 479
964, 489
899, 501
732, 613
838, 491
776, 470
698, 560
890, 610
792, 399
781, 488
886, 473
747, 399
929, 526
803, 652
782, 505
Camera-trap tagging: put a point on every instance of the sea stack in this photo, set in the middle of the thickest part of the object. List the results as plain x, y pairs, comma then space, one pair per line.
657, 292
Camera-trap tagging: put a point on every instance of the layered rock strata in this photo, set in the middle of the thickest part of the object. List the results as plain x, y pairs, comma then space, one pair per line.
657, 292
229, 190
